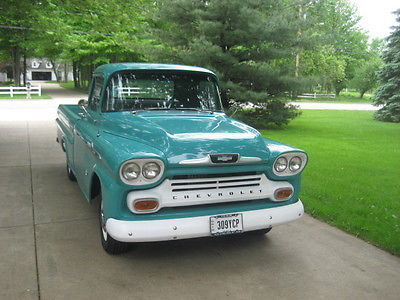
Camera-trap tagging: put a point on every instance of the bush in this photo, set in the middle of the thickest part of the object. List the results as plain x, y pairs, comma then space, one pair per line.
274, 113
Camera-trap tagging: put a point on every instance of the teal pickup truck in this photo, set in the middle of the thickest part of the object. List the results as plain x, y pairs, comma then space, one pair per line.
154, 148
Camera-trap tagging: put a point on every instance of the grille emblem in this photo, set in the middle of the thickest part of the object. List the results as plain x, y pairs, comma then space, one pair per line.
225, 158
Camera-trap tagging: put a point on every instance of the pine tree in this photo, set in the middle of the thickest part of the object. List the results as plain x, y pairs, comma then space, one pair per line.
247, 43
388, 93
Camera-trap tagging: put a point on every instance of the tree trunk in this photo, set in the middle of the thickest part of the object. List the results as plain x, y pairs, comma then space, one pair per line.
53, 63
81, 75
24, 74
65, 72
16, 55
298, 50
362, 94
75, 74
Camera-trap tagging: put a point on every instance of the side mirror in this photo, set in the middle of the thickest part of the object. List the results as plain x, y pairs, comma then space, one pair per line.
83, 104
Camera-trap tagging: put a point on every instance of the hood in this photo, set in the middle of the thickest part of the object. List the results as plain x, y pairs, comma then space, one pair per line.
182, 135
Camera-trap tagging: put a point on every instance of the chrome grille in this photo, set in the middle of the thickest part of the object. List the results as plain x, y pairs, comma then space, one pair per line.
214, 181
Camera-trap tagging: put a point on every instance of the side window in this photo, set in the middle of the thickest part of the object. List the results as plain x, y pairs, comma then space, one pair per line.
94, 100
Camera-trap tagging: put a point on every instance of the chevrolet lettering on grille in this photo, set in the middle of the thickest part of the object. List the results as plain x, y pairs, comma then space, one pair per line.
217, 194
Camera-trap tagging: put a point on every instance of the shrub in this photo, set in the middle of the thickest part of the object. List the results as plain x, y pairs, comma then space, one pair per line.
274, 113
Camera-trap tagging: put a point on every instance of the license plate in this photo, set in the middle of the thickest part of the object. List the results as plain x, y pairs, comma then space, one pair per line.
226, 224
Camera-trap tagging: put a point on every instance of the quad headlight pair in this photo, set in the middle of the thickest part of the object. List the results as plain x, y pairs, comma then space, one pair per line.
141, 171
289, 163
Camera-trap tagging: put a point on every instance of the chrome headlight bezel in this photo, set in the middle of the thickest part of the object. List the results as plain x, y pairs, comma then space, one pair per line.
141, 179
288, 170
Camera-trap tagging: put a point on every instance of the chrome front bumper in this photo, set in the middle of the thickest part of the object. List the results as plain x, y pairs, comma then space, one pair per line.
185, 228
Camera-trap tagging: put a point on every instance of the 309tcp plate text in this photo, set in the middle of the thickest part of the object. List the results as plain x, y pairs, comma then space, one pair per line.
226, 224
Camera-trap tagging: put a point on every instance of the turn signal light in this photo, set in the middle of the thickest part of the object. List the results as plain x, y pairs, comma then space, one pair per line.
144, 205
283, 194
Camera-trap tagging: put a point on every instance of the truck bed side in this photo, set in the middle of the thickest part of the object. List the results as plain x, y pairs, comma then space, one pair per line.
68, 115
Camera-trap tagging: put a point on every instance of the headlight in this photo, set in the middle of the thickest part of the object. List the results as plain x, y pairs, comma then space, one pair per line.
130, 171
281, 164
141, 171
290, 163
151, 170
295, 164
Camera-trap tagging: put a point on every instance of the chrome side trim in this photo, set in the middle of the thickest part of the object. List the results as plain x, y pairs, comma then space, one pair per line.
197, 161
248, 159
207, 161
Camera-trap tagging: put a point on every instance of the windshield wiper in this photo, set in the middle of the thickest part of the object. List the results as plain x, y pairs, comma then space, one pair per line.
194, 109
173, 108
151, 108
158, 108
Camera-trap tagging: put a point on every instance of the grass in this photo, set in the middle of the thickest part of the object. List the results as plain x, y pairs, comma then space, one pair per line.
70, 85
344, 97
43, 96
352, 180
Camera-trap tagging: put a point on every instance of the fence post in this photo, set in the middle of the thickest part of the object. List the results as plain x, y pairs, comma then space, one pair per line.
315, 95
40, 89
11, 92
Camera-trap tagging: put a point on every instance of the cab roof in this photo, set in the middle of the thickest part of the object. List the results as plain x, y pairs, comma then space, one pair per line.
108, 69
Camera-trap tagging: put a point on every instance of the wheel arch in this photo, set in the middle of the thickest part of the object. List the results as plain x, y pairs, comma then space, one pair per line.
95, 187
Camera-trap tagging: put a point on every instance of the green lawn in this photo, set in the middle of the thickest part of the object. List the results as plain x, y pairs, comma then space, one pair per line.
70, 85
352, 180
43, 96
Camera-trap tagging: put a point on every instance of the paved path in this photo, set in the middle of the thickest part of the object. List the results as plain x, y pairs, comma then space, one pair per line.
36, 109
50, 247
335, 106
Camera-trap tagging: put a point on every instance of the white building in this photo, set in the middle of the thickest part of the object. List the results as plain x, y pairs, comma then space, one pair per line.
3, 76
41, 69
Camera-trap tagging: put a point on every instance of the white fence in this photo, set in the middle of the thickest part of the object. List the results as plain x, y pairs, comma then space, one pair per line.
315, 96
21, 90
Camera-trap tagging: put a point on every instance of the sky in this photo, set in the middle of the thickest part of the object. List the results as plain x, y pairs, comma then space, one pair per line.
377, 17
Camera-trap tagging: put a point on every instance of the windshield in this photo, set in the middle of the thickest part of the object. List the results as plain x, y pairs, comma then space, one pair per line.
141, 90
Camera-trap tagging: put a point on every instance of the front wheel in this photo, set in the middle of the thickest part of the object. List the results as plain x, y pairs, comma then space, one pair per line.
110, 245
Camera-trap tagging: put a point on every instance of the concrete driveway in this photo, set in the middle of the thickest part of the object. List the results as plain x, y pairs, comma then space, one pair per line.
50, 246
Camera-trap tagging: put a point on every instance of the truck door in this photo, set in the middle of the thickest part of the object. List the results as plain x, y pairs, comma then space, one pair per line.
84, 135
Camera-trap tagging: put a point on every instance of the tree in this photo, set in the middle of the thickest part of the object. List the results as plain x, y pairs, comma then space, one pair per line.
366, 77
245, 42
339, 46
325, 66
388, 93
89, 33
15, 15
